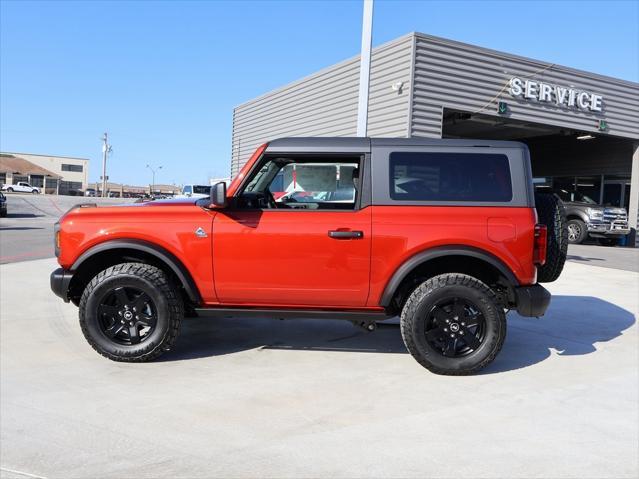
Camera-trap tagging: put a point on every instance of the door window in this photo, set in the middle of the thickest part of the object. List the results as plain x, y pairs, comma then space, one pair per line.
304, 183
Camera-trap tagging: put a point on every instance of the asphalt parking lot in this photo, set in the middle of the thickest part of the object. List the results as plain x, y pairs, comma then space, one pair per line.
309, 398
27, 231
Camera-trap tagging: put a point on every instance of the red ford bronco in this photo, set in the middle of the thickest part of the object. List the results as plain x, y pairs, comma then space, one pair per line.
447, 234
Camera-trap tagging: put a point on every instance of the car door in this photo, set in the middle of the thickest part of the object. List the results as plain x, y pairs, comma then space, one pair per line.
309, 253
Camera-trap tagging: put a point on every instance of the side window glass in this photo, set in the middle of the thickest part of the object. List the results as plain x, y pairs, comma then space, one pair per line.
460, 177
187, 190
309, 183
316, 185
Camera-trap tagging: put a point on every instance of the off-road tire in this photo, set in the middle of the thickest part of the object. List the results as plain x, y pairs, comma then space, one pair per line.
154, 282
552, 213
421, 301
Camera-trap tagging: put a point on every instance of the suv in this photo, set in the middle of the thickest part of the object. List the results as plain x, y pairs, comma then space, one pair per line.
21, 187
194, 191
587, 218
451, 254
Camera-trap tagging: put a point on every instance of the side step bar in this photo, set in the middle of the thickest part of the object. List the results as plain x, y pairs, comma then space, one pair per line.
354, 316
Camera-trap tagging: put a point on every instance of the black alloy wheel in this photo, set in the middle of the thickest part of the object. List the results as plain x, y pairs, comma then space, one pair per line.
127, 315
455, 327
453, 324
131, 312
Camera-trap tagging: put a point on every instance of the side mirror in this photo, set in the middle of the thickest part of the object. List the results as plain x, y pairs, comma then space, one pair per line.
218, 195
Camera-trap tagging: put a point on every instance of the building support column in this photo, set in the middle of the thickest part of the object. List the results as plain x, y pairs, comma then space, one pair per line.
633, 204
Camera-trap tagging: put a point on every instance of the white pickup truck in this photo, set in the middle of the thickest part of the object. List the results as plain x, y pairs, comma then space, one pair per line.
21, 187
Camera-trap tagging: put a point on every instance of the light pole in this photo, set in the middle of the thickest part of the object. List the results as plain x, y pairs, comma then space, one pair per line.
106, 149
153, 170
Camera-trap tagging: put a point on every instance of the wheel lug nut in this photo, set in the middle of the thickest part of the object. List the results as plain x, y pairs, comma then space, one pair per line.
446, 330
122, 321
130, 323
452, 335
461, 332
463, 324
448, 320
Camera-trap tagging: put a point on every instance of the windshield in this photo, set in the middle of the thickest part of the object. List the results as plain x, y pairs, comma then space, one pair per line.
575, 197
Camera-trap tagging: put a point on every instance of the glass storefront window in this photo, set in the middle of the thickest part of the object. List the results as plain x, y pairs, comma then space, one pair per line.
612, 194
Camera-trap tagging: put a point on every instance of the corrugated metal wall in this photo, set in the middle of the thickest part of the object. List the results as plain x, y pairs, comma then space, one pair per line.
465, 77
325, 103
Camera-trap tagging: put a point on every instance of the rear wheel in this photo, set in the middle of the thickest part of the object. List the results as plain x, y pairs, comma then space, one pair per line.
451, 324
131, 312
10, 190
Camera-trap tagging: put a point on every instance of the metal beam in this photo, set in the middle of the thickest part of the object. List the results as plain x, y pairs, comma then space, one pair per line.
365, 68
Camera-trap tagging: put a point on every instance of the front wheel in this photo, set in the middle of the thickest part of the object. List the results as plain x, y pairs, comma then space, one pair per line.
451, 324
35, 192
577, 231
131, 312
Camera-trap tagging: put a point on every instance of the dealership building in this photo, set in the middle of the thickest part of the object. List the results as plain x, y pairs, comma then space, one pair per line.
582, 128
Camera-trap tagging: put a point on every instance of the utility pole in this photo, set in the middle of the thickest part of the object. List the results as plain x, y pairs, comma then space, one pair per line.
365, 68
153, 170
106, 149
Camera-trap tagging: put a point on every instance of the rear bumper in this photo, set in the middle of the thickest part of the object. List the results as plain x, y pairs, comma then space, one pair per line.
532, 301
60, 280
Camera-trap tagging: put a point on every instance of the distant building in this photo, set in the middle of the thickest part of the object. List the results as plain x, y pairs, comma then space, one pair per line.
63, 175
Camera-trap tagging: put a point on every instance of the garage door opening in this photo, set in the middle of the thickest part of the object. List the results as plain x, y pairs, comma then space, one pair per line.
597, 165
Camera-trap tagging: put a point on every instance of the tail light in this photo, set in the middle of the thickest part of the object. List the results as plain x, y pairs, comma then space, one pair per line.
540, 244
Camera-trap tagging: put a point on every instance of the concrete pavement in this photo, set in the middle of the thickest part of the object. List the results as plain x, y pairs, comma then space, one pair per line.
267, 398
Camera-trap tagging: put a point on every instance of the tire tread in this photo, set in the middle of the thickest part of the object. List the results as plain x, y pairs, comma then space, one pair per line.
160, 280
409, 317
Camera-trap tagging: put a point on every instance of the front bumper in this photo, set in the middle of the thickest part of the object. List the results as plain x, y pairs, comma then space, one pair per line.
608, 229
532, 301
60, 280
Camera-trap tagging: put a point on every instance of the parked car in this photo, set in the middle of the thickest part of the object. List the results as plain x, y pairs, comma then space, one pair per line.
3, 205
586, 218
89, 192
194, 191
21, 187
450, 261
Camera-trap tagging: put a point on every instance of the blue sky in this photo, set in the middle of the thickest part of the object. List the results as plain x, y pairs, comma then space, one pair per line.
163, 77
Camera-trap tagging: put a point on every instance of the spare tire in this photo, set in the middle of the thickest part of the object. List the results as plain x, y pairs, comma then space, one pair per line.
551, 212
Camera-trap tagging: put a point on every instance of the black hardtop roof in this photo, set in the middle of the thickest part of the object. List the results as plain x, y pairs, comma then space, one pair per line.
361, 144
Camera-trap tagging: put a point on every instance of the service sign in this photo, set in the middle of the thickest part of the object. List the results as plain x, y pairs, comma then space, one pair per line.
559, 95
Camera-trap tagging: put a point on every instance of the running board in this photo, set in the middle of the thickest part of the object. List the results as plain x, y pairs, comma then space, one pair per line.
355, 316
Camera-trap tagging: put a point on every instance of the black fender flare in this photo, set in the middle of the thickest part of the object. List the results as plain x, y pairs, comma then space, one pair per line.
158, 252
424, 256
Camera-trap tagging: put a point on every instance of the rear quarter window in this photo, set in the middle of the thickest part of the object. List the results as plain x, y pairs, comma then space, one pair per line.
460, 177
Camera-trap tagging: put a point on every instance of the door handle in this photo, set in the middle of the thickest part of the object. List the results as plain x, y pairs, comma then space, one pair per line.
345, 234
